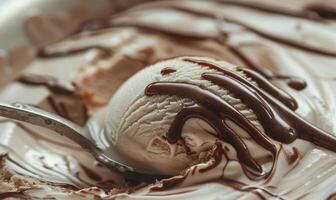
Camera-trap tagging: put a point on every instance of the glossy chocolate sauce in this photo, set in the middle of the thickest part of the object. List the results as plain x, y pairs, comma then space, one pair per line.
294, 156
292, 81
279, 120
282, 96
167, 70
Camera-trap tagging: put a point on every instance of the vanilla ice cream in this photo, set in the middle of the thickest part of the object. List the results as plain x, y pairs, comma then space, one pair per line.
135, 125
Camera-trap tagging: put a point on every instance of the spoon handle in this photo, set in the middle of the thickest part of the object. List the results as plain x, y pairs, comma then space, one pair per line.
62, 126
42, 118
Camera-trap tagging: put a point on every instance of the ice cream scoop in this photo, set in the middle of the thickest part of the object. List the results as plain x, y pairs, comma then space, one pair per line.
166, 115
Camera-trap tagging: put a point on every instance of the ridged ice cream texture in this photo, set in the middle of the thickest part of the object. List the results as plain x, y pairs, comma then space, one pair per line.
134, 125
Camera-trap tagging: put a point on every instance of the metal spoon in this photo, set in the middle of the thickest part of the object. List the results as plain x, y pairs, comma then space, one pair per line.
76, 133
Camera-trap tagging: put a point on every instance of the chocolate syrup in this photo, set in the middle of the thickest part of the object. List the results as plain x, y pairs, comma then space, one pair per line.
167, 70
282, 96
280, 122
292, 81
211, 108
294, 156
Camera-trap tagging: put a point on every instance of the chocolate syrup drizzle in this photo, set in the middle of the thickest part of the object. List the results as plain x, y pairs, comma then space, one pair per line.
167, 70
285, 98
273, 108
292, 81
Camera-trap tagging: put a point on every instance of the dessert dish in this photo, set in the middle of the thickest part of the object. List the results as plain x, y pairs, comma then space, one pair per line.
228, 99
